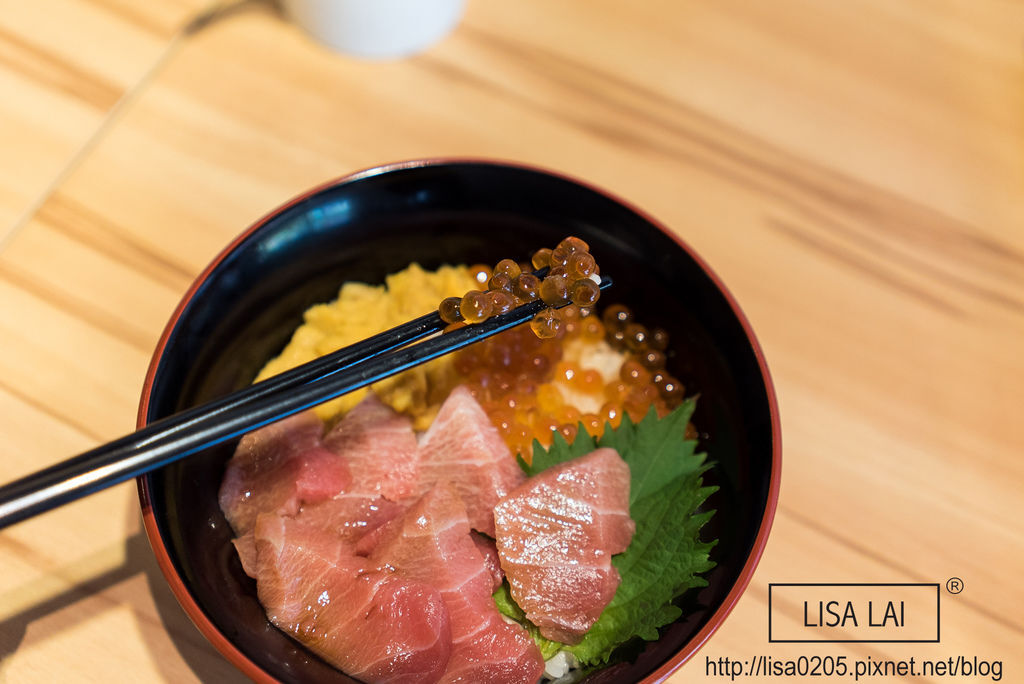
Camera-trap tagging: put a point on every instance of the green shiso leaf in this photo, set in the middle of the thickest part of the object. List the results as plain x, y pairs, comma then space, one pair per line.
654, 449
666, 555
559, 452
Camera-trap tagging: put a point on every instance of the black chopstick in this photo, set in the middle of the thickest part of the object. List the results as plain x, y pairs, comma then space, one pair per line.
399, 336
178, 436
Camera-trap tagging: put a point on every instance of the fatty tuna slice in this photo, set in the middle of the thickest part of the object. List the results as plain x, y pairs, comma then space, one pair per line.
432, 542
246, 548
351, 516
370, 623
463, 447
380, 448
277, 469
556, 534
486, 547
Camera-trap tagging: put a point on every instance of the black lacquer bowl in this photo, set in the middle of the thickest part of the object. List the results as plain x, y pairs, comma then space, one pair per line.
243, 308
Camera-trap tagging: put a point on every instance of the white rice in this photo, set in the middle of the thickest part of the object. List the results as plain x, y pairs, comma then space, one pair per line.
561, 668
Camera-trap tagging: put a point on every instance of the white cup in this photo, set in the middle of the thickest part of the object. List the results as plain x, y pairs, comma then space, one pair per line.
376, 29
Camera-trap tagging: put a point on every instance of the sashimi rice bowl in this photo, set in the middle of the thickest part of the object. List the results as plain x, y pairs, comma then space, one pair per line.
580, 498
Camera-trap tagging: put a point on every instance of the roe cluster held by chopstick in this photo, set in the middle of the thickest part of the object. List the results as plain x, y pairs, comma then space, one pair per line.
572, 277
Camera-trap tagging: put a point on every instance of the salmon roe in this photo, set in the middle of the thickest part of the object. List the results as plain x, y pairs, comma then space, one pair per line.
572, 277
530, 391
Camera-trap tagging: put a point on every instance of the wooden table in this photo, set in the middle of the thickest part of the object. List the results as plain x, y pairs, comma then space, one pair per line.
852, 170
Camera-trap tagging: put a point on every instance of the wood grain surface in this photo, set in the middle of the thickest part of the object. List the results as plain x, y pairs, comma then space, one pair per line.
852, 170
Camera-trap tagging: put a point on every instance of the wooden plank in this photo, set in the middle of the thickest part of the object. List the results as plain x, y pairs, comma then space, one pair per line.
64, 64
43, 363
113, 289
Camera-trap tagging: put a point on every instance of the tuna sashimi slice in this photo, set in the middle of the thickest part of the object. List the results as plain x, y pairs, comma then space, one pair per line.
246, 548
351, 516
432, 542
463, 447
279, 467
380, 448
486, 547
372, 624
556, 534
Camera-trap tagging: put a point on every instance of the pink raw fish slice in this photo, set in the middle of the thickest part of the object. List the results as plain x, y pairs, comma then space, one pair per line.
351, 516
556, 534
432, 543
380, 448
278, 468
463, 447
486, 547
369, 623
353, 519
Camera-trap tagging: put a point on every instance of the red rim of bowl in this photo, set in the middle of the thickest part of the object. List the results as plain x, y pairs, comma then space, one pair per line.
254, 671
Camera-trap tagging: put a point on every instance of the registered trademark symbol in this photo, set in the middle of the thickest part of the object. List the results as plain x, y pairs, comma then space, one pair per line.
954, 585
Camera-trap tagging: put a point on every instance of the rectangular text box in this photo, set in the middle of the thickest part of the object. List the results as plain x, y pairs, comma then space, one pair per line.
831, 613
